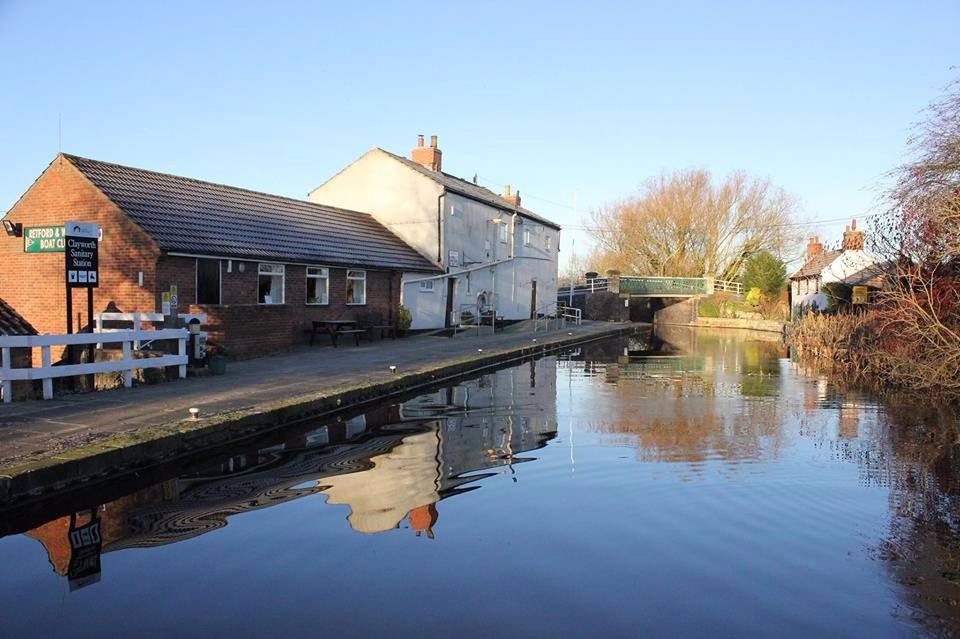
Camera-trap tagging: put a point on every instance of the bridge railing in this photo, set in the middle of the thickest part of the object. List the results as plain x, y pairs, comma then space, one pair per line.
728, 286
653, 286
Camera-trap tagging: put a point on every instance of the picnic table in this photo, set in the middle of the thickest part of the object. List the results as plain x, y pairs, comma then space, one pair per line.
335, 328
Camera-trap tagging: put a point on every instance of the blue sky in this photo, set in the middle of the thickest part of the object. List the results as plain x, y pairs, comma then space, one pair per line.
578, 101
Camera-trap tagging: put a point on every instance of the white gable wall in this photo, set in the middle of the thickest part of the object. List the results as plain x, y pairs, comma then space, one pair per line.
397, 196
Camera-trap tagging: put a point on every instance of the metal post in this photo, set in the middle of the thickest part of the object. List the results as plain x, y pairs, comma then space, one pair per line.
91, 348
5, 364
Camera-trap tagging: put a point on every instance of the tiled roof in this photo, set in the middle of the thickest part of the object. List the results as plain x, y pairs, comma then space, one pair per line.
469, 189
815, 265
12, 323
186, 215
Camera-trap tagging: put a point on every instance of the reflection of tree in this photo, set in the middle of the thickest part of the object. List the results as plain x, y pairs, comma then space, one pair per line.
922, 547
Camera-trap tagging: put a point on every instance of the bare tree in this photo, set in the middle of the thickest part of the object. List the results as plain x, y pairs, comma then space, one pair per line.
917, 319
684, 224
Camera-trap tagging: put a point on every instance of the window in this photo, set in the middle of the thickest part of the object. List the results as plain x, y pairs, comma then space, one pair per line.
208, 281
549, 242
526, 237
502, 230
270, 283
426, 286
356, 287
318, 285
456, 210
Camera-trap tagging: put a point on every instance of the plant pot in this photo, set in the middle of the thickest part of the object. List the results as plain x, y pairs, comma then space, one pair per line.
217, 364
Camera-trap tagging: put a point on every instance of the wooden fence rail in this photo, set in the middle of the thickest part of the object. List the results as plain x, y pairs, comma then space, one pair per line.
47, 372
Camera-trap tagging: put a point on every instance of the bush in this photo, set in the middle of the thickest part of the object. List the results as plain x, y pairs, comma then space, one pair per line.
753, 297
404, 318
709, 308
765, 272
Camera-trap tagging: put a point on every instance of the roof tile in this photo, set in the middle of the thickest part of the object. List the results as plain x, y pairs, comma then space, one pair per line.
188, 215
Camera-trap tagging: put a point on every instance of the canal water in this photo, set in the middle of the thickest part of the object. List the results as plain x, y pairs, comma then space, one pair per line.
680, 484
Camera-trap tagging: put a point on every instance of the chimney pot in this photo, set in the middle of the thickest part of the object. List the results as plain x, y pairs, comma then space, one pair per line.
428, 157
506, 190
853, 239
814, 247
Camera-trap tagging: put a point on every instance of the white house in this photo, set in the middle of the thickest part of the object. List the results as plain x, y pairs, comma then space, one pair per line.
852, 265
496, 254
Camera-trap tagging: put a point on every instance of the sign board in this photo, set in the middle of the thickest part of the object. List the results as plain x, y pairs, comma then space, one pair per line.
85, 547
453, 258
165, 303
43, 239
81, 248
859, 295
174, 298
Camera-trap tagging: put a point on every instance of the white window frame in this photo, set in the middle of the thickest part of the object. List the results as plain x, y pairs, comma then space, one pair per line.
549, 242
427, 286
456, 210
318, 273
502, 232
527, 236
282, 272
356, 275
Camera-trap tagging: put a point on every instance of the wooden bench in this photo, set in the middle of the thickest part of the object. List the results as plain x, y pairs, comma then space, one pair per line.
373, 321
334, 328
356, 332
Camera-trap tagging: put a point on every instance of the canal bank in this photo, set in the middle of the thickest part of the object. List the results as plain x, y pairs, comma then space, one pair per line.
58, 444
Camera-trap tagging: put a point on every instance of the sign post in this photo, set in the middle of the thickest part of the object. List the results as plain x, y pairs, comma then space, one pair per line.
81, 250
859, 295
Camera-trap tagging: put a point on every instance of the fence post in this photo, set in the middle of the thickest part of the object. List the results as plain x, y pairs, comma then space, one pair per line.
99, 328
136, 329
127, 360
182, 350
4, 373
45, 363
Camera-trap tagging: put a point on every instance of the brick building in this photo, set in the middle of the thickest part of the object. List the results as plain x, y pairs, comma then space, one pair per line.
261, 266
12, 323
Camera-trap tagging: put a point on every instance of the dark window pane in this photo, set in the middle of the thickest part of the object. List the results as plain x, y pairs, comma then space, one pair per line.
208, 281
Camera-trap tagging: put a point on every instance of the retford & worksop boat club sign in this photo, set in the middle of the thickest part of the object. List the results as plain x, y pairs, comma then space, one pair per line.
82, 254
43, 239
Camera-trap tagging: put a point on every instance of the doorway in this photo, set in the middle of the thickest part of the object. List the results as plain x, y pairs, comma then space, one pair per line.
533, 299
451, 291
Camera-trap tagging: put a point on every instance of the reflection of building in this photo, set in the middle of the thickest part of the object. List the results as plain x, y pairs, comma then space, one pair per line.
391, 464
475, 425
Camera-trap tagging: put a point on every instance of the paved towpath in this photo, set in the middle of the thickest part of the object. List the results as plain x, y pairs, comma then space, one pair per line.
39, 429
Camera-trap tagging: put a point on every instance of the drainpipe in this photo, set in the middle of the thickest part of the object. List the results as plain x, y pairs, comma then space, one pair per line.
440, 228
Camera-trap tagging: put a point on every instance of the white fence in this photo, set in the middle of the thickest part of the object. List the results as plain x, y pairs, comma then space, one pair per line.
127, 364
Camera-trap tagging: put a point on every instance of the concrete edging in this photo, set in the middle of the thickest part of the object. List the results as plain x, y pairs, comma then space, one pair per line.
166, 442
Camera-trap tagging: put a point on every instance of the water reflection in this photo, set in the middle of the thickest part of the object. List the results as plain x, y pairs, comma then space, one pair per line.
387, 465
697, 481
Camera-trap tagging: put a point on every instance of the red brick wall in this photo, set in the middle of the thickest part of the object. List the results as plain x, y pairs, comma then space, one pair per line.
33, 282
249, 329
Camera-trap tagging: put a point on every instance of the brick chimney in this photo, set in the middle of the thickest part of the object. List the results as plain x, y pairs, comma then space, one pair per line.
814, 247
513, 198
852, 238
428, 156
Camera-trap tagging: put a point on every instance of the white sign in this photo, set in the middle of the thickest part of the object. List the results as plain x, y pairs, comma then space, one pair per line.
453, 258
82, 229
